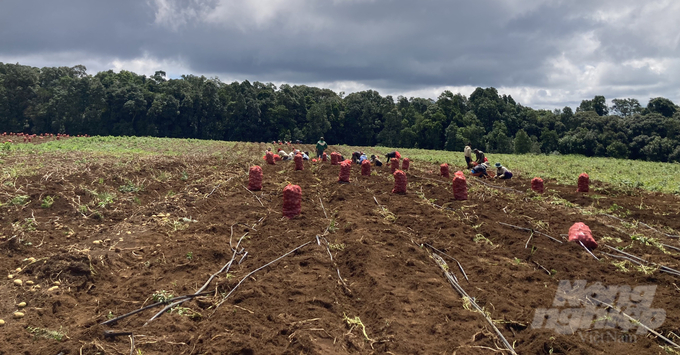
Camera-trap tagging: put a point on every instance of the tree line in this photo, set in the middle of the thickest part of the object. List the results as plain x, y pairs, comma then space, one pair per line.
68, 100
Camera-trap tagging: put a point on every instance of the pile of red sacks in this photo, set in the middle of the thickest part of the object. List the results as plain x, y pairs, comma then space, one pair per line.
583, 182
269, 157
365, 168
298, 162
292, 201
335, 157
255, 178
537, 184
399, 182
580, 232
444, 170
459, 185
394, 165
345, 171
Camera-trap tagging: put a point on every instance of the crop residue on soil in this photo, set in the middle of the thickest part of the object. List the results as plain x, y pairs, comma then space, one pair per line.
124, 233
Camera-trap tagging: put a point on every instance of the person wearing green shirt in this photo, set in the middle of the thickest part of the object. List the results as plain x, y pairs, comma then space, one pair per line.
321, 145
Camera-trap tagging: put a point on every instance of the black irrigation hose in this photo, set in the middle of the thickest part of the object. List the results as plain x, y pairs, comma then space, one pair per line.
114, 320
530, 230
640, 261
452, 258
643, 224
442, 264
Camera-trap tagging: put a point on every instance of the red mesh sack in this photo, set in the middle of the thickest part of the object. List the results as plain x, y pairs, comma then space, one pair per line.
399, 182
459, 185
580, 232
292, 201
537, 184
277, 157
583, 182
269, 157
345, 171
255, 178
324, 157
405, 165
394, 165
366, 167
313, 160
298, 162
334, 158
444, 170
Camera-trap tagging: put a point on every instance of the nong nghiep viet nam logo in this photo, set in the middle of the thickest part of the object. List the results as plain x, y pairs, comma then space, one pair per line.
578, 306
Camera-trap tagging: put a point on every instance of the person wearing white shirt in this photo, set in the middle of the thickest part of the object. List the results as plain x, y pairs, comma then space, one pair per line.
468, 155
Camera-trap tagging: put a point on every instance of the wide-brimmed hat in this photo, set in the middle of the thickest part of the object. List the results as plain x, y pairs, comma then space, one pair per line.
498, 165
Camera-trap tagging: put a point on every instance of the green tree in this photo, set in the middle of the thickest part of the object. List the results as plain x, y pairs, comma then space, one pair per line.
597, 104
617, 150
317, 123
522, 142
625, 107
663, 106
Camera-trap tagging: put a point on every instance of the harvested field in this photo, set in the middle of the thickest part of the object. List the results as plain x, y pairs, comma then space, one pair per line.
125, 232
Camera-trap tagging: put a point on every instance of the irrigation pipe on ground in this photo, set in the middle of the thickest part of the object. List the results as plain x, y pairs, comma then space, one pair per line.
256, 270
442, 265
635, 321
224, 268
530, 230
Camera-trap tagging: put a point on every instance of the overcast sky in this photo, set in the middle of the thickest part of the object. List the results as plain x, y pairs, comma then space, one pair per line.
546, 54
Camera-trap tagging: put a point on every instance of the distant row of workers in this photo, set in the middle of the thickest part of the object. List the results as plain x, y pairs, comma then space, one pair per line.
478, 167
481, 164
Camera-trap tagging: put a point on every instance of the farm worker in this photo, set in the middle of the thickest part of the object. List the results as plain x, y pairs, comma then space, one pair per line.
479, 170
502, 172
468, 155
394, 154
321, 145
376, 161
305, 155
362, 157
356, 157
479, 155
282, 153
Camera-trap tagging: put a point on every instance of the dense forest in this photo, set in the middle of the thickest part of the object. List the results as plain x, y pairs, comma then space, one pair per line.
68, 100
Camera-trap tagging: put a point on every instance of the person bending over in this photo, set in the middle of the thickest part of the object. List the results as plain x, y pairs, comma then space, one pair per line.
479, 156
479, 170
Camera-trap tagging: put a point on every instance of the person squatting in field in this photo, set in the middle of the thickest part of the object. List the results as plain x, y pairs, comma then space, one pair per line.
502, 172
468, 155
479, 170
321, 145
376, 161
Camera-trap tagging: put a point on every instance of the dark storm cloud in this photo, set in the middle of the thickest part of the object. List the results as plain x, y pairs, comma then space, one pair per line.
116, 28
545, 52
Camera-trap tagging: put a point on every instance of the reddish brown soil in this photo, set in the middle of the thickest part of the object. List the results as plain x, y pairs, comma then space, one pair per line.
297, 305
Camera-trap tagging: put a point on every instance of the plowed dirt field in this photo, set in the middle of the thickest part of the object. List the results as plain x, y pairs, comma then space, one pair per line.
124, 233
